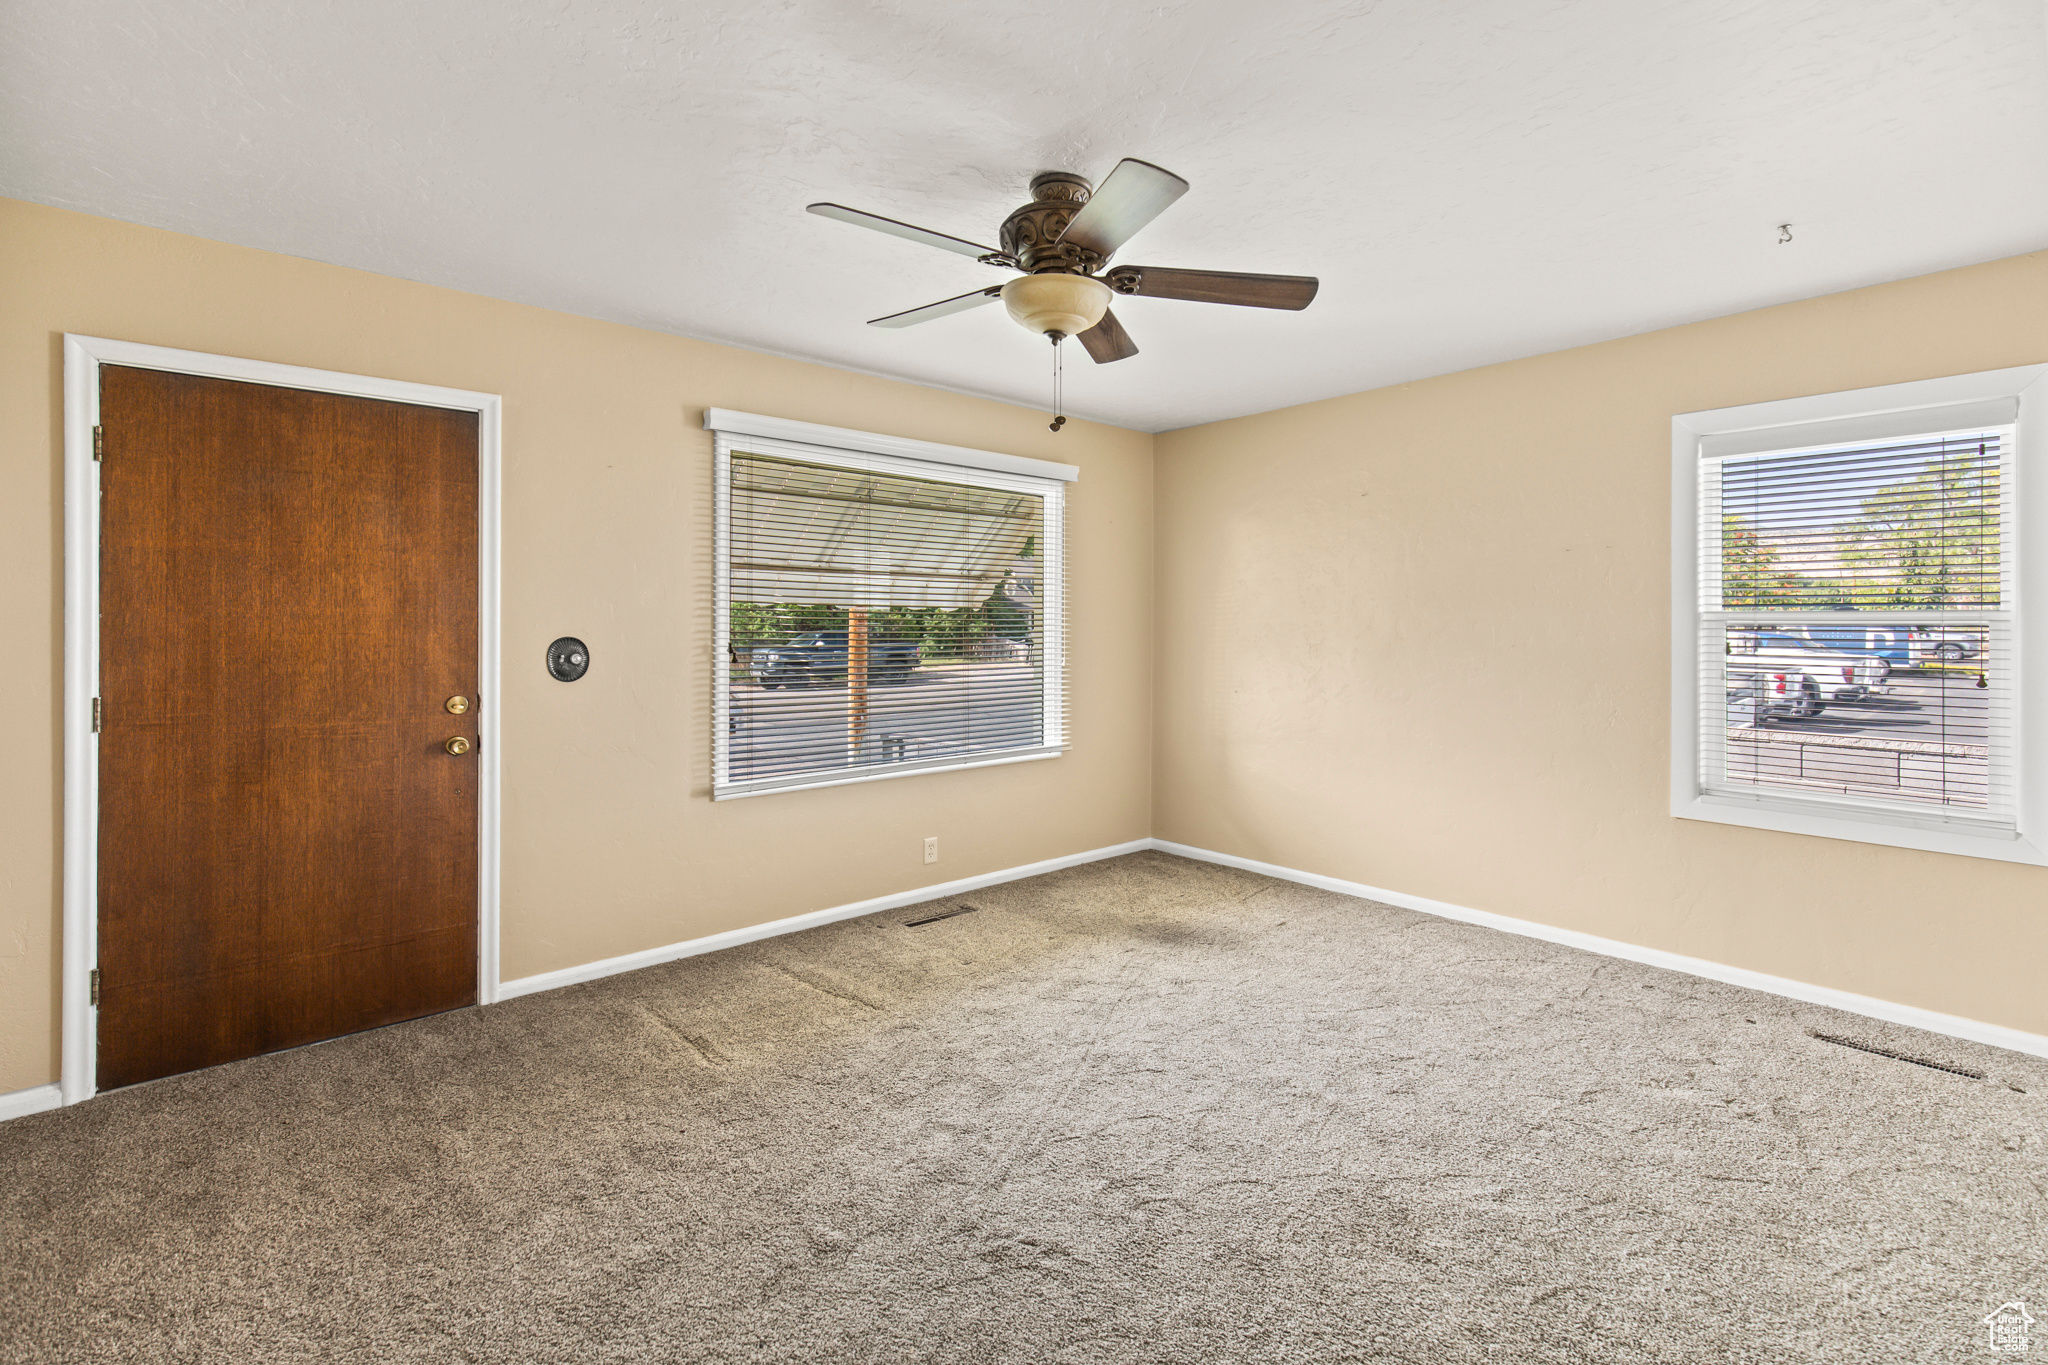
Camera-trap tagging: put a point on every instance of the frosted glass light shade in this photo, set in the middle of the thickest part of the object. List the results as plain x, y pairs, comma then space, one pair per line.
1069, 304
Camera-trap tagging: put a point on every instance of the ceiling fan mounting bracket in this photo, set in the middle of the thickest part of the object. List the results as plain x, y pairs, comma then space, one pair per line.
1054, 186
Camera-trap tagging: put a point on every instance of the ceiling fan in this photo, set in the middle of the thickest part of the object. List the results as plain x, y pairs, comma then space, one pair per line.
1062, 240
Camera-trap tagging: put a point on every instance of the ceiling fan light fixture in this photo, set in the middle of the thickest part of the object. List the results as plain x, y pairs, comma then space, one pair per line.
1057, 302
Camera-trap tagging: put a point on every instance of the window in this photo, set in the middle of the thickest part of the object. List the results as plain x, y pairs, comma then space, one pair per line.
884, 606
1854, 653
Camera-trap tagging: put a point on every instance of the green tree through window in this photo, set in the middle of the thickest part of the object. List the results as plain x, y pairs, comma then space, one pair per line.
1931, 541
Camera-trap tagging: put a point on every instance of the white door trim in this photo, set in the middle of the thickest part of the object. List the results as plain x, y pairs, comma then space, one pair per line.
83, 356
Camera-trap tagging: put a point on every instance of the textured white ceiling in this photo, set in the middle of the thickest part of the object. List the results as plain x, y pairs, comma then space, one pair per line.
1472, 181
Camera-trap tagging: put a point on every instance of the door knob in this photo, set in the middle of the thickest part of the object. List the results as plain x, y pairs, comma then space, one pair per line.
457, 745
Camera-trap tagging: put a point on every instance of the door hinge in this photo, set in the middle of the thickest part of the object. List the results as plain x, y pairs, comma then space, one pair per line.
96, 713
99, 442
95, 985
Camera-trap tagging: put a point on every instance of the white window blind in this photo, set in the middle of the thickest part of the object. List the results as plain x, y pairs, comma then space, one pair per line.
880, 615
1856, 646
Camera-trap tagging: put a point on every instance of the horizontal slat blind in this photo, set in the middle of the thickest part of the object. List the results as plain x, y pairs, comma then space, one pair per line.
883, 615
1856, 640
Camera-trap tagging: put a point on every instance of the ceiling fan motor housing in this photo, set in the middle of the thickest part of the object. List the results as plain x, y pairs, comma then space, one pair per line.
1031, 235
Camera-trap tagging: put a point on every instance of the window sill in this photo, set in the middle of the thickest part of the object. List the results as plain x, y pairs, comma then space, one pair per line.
797, 782
1791, 817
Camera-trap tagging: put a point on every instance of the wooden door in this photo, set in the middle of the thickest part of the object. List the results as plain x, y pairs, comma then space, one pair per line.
287, 850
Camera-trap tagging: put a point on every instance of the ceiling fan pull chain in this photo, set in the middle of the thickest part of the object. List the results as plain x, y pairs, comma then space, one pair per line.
1059, 383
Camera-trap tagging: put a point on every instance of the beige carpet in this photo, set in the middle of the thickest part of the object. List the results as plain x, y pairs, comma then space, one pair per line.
1142, 1110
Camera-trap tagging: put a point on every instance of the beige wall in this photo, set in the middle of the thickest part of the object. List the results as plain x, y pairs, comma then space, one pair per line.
1415, 638
1419, 638
611, 843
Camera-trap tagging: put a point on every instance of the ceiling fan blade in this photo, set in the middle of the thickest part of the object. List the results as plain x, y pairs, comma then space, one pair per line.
1214, 286
944, 308
1107, 340
907, 231
1131, 196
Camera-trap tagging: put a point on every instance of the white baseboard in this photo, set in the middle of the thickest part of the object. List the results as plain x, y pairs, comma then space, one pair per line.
732, 938
36, 1099
33, 1100
1953, 1025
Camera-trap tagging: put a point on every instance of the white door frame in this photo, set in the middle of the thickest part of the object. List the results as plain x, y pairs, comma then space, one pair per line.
83, 356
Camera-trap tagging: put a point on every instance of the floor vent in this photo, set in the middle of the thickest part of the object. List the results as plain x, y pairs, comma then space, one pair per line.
943, 914
1900, 1056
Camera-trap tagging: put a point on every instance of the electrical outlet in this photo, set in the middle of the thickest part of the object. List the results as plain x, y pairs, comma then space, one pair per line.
931, 849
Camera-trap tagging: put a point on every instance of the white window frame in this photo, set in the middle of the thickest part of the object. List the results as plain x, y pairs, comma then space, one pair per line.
1992, 398
897, 455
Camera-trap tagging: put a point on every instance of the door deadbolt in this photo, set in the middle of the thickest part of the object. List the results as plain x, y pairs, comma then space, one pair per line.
457, 705
457, 746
